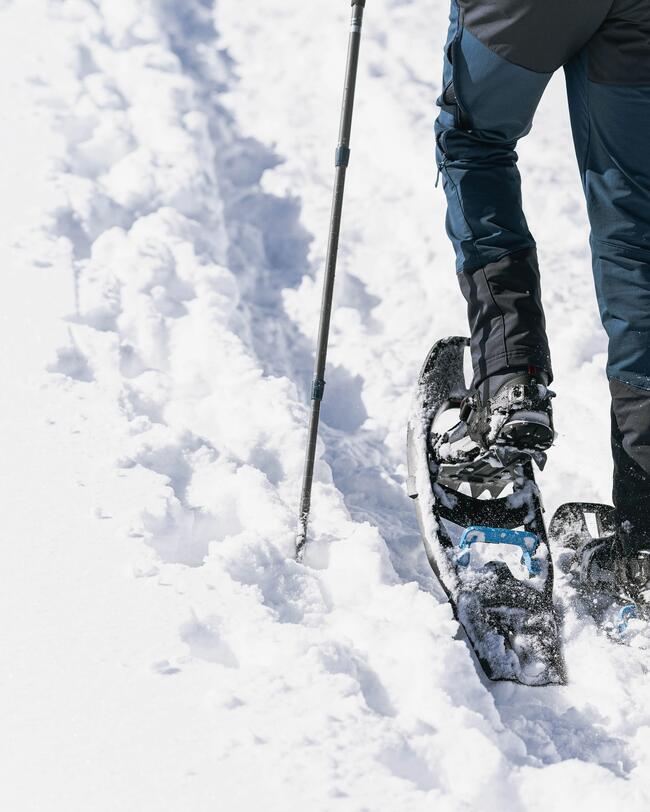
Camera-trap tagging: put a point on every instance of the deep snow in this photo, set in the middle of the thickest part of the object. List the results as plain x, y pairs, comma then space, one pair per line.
165, 189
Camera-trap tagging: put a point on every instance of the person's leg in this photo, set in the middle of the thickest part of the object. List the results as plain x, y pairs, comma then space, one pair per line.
609, 94
497, 63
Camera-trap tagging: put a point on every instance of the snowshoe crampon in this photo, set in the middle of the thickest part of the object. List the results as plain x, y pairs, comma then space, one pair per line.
484, 534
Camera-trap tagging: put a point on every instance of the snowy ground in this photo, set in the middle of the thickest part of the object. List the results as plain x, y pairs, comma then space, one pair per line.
165, 179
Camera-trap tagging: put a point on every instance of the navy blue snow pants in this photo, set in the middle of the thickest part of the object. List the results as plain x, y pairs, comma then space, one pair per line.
499, 57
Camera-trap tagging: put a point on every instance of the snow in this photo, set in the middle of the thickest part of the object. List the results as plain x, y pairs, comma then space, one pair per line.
165, 179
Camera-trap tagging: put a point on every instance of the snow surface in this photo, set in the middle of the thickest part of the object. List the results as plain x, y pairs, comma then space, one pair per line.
165, 175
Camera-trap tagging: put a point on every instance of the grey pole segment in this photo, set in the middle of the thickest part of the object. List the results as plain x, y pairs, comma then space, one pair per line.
341, 162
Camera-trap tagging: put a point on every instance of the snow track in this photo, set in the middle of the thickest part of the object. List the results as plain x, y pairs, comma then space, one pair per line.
166, 178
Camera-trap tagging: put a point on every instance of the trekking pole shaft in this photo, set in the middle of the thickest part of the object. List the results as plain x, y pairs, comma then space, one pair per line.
341, 161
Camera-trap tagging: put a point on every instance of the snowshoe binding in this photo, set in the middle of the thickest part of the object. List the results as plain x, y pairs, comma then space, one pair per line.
480, 514
513, 414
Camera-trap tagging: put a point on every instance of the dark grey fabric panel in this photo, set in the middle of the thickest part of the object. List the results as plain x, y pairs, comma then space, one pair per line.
540, 35
631, 451
504, 308
619, 52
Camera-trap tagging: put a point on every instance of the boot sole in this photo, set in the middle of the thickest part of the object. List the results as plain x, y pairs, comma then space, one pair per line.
525, 435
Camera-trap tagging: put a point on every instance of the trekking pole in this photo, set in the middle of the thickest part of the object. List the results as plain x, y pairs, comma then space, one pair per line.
341, 161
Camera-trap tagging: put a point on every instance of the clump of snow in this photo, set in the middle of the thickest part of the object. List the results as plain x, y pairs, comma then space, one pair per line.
165, 195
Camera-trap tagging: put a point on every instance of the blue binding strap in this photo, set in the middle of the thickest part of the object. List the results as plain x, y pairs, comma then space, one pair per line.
527, 542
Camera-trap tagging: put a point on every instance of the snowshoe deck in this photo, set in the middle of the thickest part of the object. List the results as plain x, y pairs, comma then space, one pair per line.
503, 601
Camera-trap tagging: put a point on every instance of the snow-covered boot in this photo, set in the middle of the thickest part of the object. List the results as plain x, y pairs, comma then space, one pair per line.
513, 409
510, 411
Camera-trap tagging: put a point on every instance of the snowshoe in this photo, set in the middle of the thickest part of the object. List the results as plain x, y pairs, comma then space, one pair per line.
481, 519
612, 587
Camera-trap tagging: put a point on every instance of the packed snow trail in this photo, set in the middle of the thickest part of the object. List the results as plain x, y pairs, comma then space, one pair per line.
165, 192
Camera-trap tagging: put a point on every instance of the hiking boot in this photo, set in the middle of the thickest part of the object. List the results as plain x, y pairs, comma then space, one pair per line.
512, 410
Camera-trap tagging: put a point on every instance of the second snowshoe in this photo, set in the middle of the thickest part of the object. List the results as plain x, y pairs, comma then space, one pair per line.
610, 586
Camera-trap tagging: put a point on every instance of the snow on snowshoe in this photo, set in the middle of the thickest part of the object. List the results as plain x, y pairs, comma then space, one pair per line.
481, 519
612, 588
